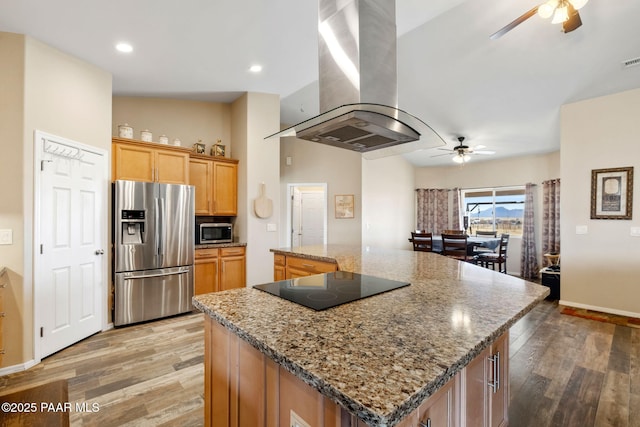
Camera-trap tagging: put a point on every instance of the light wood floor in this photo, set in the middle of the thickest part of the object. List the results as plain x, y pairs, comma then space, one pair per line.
565, 371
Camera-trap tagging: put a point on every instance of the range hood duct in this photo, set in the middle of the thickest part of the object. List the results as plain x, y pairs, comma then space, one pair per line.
359, 84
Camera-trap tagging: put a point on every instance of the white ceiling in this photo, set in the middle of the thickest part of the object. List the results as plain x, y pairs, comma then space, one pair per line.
504, 94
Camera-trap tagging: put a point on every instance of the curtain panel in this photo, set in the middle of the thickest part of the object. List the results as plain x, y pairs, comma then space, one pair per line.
433, 210
551, 216
528, 256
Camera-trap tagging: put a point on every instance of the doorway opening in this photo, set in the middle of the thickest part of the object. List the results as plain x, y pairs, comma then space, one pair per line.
307, 214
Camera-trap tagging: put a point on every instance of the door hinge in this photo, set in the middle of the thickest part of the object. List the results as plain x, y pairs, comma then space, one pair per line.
42, 162
41, 249
41, 332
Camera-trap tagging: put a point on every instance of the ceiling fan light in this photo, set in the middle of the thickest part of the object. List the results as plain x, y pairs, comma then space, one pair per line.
561, 14
578, 4
545, 10
461, 158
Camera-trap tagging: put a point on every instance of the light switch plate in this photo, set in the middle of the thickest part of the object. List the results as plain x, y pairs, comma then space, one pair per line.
582, 229
272, 227
635, 231
6, 237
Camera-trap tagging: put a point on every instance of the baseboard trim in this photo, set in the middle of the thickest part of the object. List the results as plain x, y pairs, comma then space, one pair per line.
17, 368
600, 309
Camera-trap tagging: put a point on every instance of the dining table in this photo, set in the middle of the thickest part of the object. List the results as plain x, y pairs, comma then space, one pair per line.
472, 241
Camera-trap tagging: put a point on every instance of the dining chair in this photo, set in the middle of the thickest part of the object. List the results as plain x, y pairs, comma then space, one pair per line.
422, 241
479, 250
493, 258
455, 246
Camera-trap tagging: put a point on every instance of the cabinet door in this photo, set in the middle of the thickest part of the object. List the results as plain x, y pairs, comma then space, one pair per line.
232, 272
133, 163
172, 167
475, 390
206, 275
278, 273
200, 178
499, 394
225, 188
441, 409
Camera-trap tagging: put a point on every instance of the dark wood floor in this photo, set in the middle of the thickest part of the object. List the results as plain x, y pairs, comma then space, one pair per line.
565, 371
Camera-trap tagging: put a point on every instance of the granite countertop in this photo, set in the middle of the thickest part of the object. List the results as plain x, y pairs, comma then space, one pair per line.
219, 245
380, 357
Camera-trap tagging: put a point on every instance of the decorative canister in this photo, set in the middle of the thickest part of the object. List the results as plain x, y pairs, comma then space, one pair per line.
163, 139
177, 142
146, 135
125, 131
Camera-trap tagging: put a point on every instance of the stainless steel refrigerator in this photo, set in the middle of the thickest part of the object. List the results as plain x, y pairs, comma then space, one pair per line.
153, 242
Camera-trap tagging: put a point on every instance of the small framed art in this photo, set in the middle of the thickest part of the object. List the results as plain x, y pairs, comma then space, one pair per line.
612, 193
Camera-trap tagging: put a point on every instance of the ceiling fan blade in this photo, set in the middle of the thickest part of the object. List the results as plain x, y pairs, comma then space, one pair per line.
440, 155
573, 22
446, 149
484, 152
504, 30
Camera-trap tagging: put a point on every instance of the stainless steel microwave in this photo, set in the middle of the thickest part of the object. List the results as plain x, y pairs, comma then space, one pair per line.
214, 232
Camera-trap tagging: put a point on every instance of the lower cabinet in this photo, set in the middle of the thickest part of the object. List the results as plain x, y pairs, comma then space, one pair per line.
219, 269
290, 267
245, 387
487, 379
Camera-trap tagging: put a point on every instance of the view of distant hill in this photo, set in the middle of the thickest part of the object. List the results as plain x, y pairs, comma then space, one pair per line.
501, 212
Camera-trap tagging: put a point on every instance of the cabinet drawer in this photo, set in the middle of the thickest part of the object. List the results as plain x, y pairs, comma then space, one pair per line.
278, 259
233, 251
311, 265
206, 253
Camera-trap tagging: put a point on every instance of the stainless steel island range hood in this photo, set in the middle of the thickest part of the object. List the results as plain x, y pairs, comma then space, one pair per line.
358, 84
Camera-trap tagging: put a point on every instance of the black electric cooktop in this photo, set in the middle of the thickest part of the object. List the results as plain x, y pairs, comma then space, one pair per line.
322, 291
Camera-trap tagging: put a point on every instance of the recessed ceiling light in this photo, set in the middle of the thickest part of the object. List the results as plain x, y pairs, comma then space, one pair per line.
255, 68
124, 47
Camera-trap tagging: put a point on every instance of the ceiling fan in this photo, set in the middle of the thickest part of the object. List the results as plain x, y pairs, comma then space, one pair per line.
563, 12
461, 152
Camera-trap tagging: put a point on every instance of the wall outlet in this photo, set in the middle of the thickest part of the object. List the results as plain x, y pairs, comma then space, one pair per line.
582, 229
635, 231
6, 237
272, 227
297, 421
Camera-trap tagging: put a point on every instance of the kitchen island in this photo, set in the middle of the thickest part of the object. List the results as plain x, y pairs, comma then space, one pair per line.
425, 351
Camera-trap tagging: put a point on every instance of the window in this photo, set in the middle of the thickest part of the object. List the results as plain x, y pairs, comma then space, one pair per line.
494, 209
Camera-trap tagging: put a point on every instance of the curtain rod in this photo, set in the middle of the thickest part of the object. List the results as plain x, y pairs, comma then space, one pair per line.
477, 188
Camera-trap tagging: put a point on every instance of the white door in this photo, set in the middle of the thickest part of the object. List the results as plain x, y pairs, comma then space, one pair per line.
70, 267
312, 218
308, 215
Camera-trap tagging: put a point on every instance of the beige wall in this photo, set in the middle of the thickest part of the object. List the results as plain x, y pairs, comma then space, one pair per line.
12, 75
600, 269
496, 173
388, 199
340, 169
61, 95
189, 121
255, 115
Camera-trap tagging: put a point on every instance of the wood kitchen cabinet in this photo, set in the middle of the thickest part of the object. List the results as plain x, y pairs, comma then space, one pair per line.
142, 161
219, 269
486, 378
300, 267
279, 262
216, 183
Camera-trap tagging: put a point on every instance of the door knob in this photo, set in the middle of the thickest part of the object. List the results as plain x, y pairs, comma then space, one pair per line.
99, 252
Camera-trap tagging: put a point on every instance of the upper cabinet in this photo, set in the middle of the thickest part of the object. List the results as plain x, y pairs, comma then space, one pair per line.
141, 161
216, 183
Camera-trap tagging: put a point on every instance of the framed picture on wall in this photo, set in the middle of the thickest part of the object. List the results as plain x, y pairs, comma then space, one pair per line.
612, 193
345, 206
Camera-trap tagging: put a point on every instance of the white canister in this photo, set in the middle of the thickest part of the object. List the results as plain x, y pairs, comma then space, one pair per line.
177, 142
125, 131
146, 135
163, 139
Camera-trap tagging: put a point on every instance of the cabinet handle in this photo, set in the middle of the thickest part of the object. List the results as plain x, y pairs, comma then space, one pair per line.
495, 365
2, 314
4, 285
308, 265
428, 424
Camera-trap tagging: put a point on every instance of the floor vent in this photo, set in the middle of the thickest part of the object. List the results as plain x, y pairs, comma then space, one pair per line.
631, 62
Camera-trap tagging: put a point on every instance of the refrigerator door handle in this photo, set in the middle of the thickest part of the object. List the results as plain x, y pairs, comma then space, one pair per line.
147, 276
